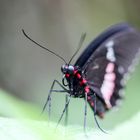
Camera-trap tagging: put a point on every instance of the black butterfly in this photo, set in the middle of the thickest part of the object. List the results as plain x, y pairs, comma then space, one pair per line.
100, 73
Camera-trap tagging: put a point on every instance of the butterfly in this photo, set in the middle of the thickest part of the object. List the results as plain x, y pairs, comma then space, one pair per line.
100, 73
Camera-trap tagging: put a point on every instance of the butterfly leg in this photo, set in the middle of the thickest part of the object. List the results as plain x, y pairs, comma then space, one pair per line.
48, 101
64, 110
66, 100
97, 123
66, 115
85, 113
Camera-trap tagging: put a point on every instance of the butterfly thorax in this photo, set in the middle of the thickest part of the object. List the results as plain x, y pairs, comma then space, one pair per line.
75, 80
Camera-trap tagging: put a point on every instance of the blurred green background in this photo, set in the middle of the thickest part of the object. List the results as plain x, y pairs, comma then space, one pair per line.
27, 72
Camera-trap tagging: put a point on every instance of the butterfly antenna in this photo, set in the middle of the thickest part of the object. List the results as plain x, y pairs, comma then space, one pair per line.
83, 36
96, 118
27, 36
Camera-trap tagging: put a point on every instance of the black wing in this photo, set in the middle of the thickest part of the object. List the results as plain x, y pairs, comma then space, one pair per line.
109, 62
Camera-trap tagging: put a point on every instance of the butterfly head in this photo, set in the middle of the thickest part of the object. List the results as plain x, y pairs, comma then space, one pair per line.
67, 69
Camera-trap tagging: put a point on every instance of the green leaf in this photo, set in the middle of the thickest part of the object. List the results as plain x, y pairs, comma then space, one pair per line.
22, 122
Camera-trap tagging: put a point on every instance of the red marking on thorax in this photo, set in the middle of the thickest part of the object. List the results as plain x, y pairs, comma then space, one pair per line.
75, 71
78, 75
83, 82
67, 75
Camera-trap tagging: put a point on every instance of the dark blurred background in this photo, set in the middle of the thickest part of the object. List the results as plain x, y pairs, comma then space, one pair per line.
26, 71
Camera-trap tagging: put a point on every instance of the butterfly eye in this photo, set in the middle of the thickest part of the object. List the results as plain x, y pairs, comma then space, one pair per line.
64, 69
71, 69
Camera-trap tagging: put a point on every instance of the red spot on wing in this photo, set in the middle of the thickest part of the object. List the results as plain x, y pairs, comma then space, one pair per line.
87, 89
89, 98
100, 114
91, 103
